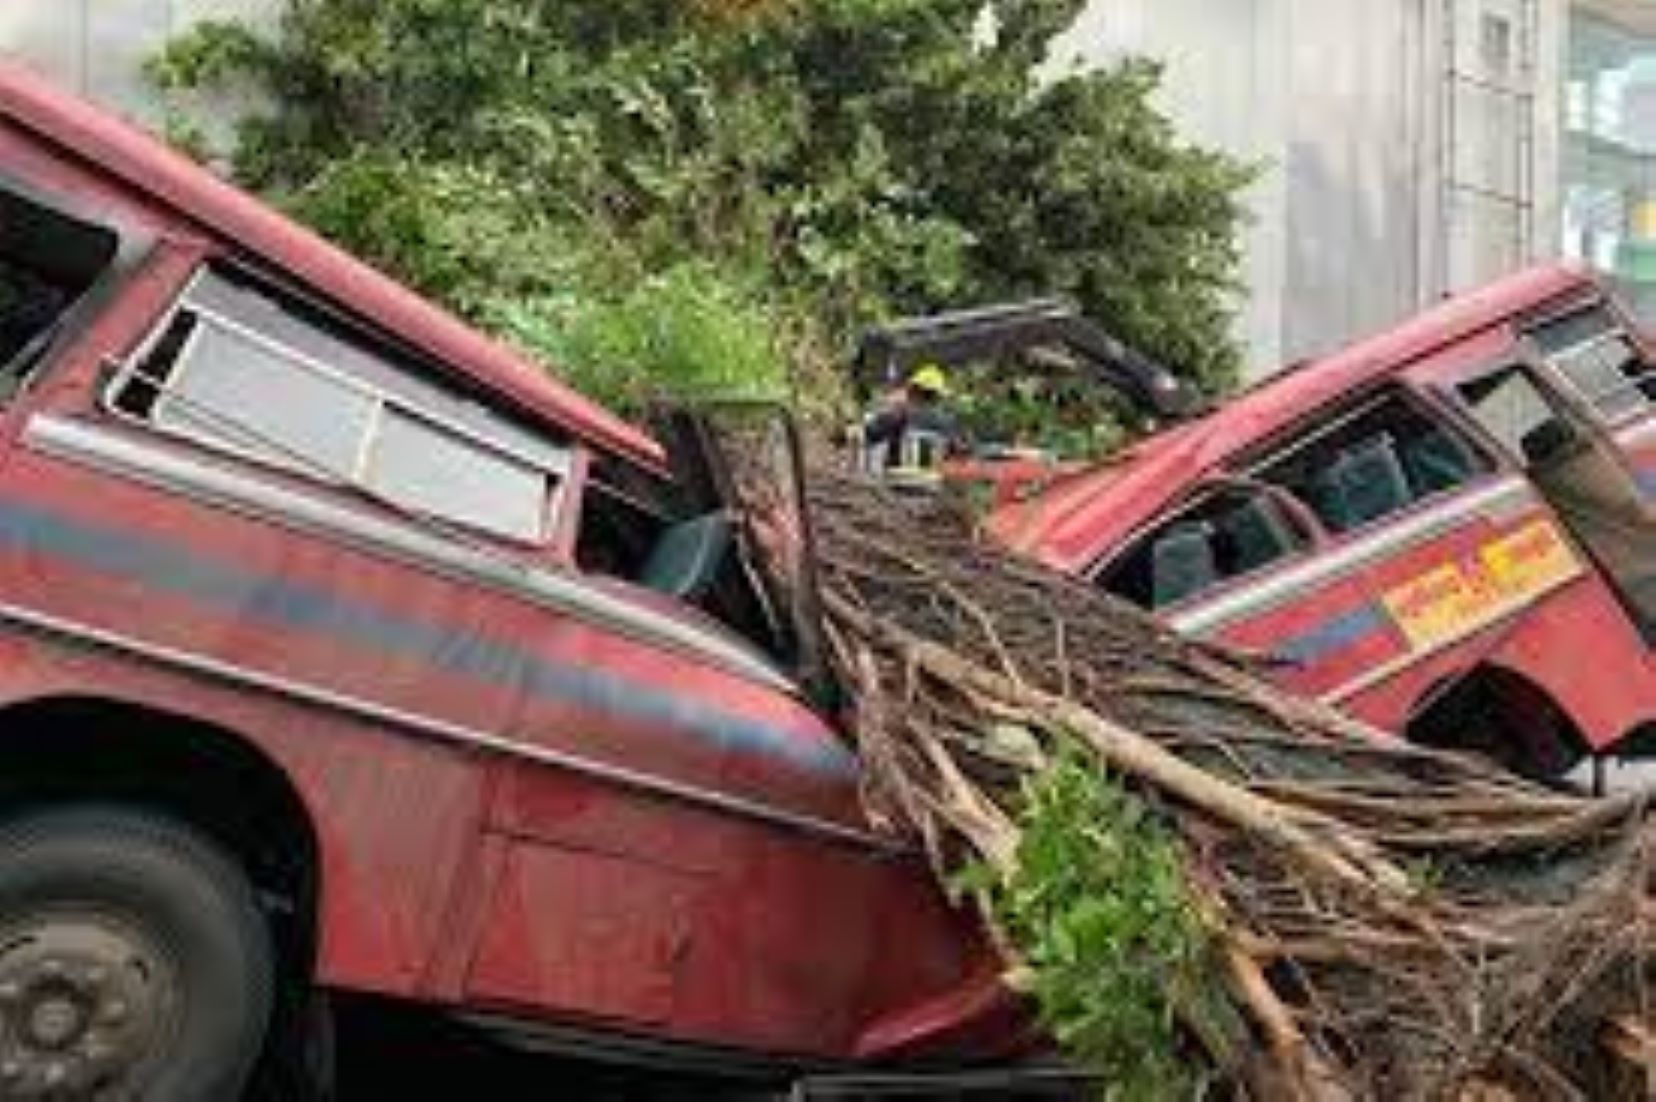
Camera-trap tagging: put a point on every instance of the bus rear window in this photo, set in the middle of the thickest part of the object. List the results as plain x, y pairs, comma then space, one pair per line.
1596, 359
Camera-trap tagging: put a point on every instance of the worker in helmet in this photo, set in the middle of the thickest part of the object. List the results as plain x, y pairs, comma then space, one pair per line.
910, 436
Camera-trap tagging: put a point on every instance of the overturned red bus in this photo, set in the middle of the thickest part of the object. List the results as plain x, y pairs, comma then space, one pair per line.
1449, 530
341, 648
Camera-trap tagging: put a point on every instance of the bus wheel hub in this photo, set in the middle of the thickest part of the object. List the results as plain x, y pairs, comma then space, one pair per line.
86, 1006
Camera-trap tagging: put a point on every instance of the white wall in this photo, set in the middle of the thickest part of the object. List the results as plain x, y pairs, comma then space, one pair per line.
97, 47
1352, 157
1368, 207
1223, 83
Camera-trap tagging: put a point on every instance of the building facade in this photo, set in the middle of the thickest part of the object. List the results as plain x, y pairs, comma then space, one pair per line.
1406, 148
1609, 167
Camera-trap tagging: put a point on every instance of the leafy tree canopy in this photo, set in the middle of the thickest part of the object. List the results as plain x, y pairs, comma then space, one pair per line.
707, 190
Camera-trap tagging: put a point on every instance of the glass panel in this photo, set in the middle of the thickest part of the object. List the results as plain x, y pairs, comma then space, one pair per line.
321, 337
423, 467
47, 262
1486, 237
237, 391
1573, 329
1609, 181
1510, 408
1607, 374
1230, 535
1378, 461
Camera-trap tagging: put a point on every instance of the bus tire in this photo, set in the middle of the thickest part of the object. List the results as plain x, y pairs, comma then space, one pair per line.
134, 960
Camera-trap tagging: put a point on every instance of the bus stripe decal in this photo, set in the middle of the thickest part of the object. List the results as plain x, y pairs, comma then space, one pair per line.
241, 593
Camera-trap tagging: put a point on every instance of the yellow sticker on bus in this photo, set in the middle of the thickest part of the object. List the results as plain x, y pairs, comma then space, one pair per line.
1452, 601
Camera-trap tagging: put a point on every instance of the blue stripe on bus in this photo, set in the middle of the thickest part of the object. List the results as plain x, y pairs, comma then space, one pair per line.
1333, 635
238, 593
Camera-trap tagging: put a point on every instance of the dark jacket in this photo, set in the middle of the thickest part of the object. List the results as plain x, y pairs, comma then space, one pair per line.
890, 428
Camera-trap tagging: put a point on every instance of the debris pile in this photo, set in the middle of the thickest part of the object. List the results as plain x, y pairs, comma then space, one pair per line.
1390, 922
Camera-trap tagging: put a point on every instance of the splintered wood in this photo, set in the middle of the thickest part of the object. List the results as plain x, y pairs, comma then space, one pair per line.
1394, 922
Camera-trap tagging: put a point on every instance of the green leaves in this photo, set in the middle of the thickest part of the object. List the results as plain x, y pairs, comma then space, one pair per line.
687, 332
827, 163
1113, 950
213, 52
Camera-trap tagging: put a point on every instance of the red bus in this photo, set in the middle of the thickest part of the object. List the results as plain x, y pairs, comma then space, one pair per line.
343, 649
1446, 529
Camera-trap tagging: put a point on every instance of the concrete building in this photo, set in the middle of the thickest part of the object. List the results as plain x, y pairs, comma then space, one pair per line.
1609, 163
1407, 148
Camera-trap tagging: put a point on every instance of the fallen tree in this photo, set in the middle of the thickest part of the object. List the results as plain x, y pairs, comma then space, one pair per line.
1378, 920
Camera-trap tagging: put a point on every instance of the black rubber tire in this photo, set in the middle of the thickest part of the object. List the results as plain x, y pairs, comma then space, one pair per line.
189, 897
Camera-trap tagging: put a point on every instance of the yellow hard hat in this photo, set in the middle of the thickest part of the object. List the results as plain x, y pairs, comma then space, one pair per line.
930, 377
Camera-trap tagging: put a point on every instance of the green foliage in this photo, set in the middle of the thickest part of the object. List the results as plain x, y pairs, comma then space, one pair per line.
1034, 411
821, 163
684, 333
1116, 956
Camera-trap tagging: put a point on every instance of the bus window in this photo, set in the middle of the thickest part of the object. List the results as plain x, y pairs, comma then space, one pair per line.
47, 262
1372, 463
1591, 354
1227, 535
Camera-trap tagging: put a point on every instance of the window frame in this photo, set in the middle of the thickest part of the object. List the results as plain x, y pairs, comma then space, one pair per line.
227, 443
133, 247
1590, 401
1294, 512
1545, 385
1310, 430
600, 481
558, 473
1529, 347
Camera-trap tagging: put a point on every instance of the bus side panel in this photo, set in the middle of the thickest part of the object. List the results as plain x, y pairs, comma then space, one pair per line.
1575, 643
396, 817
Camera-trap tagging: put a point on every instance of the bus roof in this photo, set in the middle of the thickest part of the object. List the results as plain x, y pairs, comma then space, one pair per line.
1068, 524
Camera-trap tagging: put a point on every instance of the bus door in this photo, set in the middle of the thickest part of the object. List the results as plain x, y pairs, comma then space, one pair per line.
1577, 465
1603, 371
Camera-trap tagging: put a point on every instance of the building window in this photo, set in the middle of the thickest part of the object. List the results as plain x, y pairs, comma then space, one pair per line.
246, 372
1495, 46
1609, 184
